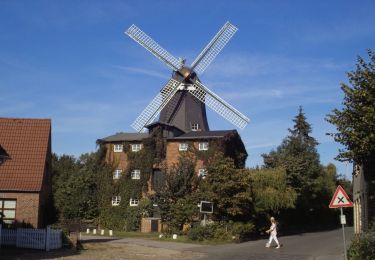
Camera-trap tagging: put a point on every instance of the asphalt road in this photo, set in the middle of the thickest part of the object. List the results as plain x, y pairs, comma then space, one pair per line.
326, 245
318, 245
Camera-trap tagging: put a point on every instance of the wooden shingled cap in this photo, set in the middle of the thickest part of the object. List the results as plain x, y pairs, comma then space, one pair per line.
27, 141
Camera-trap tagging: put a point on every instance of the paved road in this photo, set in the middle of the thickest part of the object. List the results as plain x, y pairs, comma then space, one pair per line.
320, 246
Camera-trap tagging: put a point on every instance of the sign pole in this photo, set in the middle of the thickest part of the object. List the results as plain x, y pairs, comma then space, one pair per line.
339, 200
343, 233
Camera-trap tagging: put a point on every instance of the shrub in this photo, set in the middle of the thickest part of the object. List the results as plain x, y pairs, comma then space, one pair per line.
222, 231
362, 247
201, 233
242, 231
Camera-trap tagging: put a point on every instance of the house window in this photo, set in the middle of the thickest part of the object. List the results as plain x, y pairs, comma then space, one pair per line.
134, 202
136, 174
203, 146
8, 210
202, 173
136, 147
116, 200
195, 127
117, 174
117, 148
183, 147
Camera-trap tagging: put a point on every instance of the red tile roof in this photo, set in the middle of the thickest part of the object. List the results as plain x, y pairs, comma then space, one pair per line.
27, 141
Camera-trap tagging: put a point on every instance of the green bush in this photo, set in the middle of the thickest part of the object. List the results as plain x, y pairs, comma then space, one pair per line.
201, 233
222, 231
242, 231
362, 247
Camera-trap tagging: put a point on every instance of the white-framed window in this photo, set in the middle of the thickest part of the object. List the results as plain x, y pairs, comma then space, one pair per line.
8, 210
134, 202
136, 174
195, 127
183, 147
117, 174
203, 146
136, 147
202, 173
116, 200
117, 148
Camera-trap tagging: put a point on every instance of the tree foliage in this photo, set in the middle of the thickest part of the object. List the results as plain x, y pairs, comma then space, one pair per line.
313, 183
75, 185
270, 191
175, 198
298, 155
355, 121
228, 188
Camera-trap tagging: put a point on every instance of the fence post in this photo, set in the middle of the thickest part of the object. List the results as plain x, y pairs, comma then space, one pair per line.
48, 235
0, 233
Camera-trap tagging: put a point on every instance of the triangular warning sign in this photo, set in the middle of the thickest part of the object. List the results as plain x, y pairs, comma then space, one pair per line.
340, 199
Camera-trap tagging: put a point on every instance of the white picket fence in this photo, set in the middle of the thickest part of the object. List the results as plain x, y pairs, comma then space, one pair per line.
31, 238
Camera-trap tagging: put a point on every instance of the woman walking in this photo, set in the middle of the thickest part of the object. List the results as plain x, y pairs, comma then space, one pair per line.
273, 233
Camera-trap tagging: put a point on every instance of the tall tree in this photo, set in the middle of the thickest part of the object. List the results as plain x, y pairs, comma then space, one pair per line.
355, 121
298, 155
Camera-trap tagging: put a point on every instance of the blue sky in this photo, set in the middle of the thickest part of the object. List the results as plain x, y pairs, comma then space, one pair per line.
71, 61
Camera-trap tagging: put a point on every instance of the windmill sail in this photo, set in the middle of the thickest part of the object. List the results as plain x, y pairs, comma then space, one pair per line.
182, 100
219, 105
152, 46
213, 48
157, 104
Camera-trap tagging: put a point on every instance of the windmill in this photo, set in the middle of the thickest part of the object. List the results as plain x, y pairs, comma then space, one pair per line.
181, 102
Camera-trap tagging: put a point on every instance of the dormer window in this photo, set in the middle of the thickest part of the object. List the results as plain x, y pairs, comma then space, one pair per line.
195, 127
136, 174
117, 174
203, 146
118, 148
183, 147
136, 147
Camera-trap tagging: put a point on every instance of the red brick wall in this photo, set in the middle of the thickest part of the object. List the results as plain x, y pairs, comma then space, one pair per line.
27, 209
173, 155
116, 159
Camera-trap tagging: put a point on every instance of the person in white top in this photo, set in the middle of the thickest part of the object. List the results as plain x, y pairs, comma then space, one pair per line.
273, 233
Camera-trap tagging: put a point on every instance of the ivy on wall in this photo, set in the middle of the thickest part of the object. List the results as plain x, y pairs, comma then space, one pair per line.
151, 156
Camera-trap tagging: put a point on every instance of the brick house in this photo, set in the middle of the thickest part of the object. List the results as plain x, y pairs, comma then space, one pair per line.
175, 143
25, 178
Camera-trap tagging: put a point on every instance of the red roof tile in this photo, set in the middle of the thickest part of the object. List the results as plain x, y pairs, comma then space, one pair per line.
27, 143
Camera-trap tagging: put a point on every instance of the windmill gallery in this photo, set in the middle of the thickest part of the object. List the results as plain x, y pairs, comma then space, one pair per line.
182, 123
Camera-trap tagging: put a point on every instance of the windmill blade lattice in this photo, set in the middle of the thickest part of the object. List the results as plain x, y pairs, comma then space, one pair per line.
213, 48
149, 44
157, 104
219, 105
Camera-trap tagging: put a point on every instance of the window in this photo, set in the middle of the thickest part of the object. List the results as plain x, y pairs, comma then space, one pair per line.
117, 148
203, 146
8, 210
194, 127
202, 173
136, 147
116, 200
136, 174
183, 147
117, 174
134, 202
